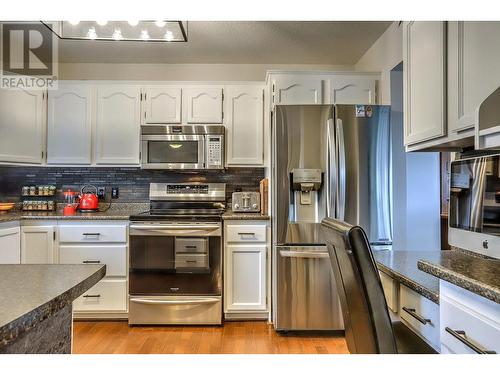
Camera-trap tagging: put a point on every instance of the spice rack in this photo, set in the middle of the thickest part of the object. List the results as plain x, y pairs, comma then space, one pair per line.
40, 192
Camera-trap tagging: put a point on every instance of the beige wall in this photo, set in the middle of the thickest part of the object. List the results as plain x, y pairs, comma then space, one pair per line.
180, 72
383, 56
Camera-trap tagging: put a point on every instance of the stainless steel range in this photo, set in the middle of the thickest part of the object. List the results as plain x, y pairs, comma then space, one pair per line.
175, 267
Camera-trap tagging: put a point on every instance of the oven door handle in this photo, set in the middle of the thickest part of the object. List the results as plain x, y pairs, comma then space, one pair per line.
175, 230
203, 301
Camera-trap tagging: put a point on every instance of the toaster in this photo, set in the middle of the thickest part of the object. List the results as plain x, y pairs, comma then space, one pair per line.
246, 201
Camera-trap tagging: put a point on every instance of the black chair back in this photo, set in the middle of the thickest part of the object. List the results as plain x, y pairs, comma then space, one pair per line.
367, 323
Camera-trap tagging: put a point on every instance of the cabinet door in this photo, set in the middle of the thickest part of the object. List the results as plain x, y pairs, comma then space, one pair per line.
473, 73
37, 245
22, 126
298, 90
245, 278
117, 130
69, 127
10, 246
244, 125
351, 90
424, 58
161, 105
203, 105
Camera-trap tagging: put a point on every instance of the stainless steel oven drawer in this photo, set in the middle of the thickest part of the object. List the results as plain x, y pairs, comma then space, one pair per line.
175, 310
191, 261
191, 245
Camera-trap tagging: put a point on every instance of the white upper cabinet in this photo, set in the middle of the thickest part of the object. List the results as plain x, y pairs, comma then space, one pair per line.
473, 69
203, 105
353, 90
117, 128
22, 126
161, 105
244, 125
69, 129
298, 90
424, 58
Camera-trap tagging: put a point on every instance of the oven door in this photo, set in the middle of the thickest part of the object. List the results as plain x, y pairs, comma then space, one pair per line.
173, 151
175, 259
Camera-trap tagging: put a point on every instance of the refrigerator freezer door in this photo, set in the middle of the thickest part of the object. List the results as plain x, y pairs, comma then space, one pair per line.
306, 294
364, 190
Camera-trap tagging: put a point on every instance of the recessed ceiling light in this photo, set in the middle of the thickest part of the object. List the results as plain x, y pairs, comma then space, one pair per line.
160, 23
102, 23
133, 23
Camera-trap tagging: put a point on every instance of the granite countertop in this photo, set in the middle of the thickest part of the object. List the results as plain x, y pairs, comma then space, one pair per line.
478, 275
31, 293
230, 215
402, 266
117, 211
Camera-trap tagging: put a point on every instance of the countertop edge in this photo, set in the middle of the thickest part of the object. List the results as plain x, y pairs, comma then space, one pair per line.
11, 331
423, 291
460, 280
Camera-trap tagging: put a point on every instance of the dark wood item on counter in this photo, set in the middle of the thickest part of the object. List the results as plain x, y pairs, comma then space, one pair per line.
264, 196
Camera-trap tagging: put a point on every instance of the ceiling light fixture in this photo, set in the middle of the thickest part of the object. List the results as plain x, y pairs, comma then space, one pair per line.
143, 31
91, 34
117, 35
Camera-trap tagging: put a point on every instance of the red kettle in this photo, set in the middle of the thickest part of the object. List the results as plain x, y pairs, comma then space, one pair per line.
88, 201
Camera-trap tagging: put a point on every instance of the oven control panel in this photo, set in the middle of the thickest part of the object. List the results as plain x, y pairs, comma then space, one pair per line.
187, 189
215, 152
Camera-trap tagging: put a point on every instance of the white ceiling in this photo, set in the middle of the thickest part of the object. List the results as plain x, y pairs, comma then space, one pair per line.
240, 43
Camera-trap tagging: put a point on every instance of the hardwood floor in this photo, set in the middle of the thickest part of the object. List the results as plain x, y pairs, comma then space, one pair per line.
232, 338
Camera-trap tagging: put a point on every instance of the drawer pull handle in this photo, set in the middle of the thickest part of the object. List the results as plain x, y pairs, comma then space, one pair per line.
92, 296
91, 261
191, 247
191, 261
246, 233
460, 336
412, 312
92, 234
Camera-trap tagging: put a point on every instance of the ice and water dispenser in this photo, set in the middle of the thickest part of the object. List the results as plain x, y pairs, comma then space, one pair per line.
306, 185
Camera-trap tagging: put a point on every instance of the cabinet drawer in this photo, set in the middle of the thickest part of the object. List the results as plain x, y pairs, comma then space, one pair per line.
391, 291
481, 331
246, 233
191, 245
93, 233
106, 295
421, 314
114, 257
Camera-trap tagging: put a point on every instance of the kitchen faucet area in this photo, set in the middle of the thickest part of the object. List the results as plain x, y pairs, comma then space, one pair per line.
317, 179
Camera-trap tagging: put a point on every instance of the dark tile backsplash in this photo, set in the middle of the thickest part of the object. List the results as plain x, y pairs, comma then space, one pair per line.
132, 182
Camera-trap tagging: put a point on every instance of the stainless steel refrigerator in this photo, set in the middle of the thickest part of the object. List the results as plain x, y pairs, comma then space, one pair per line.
327, 161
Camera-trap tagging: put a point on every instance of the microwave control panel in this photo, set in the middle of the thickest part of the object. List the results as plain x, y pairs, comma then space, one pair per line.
215, 151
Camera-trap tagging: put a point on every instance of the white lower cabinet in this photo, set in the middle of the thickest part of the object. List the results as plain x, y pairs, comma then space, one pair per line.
102, 243
391, 291
38, 244
10, 243
420, 314
246, 270
108, 295
469, 323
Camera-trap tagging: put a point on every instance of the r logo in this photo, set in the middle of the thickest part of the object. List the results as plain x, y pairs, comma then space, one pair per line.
27, 49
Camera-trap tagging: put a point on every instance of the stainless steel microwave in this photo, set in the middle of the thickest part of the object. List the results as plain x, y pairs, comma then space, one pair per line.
182, 147
474, 213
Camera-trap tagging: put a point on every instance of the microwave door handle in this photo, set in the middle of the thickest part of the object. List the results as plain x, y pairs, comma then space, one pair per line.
202, 150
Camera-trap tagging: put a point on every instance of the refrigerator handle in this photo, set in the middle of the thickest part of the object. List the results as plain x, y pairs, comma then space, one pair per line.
332, 170
341, 185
